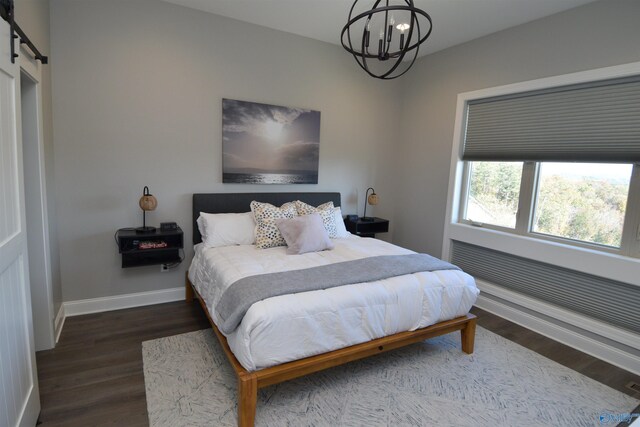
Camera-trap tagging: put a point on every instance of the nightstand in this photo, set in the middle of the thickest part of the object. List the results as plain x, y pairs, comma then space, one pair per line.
134, 254
367, 228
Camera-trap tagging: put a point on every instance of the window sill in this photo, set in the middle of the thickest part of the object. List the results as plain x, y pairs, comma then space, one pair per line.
603, 264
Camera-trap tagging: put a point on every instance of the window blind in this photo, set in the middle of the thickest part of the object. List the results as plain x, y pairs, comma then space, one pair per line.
590, 122
604, 299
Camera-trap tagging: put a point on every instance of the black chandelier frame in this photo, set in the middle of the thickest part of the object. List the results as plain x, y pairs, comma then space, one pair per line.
363, 54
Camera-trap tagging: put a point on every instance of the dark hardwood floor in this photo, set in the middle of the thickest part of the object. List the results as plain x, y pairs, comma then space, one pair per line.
94, 376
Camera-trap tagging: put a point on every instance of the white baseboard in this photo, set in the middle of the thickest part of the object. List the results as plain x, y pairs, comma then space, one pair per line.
118, 302
561, 334
59, 322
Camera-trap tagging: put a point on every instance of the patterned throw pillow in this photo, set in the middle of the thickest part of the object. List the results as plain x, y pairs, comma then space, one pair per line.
267, 233
325, 211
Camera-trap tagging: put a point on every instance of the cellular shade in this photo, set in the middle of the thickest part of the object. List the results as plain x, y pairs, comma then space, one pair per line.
604, 299
590, 122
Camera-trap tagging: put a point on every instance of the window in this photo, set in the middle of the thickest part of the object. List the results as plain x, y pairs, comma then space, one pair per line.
576, 203
582, 201
573, 251
556, 162
493, 193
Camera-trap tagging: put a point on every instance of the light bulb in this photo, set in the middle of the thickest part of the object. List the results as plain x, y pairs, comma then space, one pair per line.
403, 27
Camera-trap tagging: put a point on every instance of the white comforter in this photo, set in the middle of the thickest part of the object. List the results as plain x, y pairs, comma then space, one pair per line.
290, 327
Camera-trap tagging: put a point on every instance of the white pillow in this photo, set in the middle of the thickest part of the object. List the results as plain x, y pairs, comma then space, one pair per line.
227, 229
201, 229
341, 229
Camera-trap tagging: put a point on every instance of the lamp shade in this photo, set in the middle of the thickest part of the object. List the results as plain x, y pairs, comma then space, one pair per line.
373, 199
148, 202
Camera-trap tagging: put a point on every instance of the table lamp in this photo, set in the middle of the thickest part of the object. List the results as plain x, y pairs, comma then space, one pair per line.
147, 203
371, 199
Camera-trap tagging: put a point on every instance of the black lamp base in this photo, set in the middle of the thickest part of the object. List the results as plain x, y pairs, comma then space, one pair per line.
145, 230
367, 218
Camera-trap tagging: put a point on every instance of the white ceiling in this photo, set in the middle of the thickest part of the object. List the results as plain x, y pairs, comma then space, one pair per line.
454, 21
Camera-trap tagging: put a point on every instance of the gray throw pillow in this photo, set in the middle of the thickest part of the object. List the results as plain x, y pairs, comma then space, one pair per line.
304, 234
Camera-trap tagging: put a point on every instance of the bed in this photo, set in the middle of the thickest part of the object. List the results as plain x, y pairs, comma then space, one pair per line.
277, 339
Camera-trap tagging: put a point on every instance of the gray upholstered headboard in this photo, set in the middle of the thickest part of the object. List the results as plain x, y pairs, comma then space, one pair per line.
239, 202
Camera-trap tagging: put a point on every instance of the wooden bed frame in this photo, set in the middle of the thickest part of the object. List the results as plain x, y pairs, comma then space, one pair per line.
250, 382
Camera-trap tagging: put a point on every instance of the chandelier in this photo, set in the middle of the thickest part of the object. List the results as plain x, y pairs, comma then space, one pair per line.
399, 34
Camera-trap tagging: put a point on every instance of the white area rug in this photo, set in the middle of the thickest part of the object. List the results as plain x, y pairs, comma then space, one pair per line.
189, 382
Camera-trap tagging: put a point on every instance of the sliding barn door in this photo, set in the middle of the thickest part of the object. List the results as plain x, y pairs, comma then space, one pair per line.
19, 400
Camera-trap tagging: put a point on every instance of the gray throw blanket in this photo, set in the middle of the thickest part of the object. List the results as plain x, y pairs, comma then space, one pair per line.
243, 293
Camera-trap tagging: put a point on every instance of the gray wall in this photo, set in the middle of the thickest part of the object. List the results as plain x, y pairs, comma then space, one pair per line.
33, 18
137, 92
597, 35
137, 99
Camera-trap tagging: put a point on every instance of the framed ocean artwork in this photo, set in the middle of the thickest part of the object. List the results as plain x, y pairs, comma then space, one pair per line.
269, 144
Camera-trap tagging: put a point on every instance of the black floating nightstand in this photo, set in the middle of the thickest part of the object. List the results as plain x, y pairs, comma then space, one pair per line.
158, 247
367, 228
